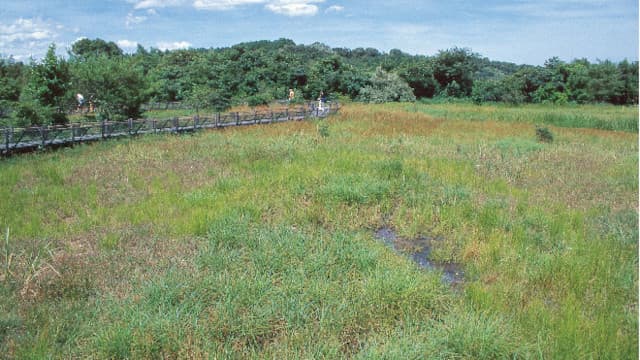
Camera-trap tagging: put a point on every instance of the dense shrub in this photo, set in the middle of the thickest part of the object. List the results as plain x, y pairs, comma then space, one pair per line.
259, 99
544, 134
386, 87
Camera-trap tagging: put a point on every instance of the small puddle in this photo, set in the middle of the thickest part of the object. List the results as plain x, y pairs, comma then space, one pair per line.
419, 250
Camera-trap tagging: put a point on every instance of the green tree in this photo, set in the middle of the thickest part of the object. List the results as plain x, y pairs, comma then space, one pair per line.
353, 80
629, 77
455, 65
606, 84
173, 78
324, 75
487, 91
419, 75
146, 60
115, 85
578, 82
523, 85
206, 97
10, 79
554, 84
46, 94
11, 83
86, 48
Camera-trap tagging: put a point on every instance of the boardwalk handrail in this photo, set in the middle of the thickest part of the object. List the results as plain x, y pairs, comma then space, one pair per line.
16, 140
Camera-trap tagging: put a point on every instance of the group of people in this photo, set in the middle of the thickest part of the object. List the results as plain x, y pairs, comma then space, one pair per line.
321, 99
80, 100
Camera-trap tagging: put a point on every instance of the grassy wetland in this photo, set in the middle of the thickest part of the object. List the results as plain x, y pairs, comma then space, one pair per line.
260, 242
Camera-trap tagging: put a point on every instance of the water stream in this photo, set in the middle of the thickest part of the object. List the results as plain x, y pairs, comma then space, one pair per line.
419, 250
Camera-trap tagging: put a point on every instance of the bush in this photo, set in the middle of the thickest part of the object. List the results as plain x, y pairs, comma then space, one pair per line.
386, 87
58, 118
28, 114
6, 108
259, 100
544, 134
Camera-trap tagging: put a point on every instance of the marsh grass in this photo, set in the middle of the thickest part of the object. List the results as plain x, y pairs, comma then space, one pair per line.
602, 116
258, 242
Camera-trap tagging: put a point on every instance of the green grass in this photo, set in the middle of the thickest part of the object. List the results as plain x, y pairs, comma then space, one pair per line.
601, 116
258, 242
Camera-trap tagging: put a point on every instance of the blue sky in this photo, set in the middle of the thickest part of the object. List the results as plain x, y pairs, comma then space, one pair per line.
520, 31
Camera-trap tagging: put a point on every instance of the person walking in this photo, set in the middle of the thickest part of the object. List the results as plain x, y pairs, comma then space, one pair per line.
292, 95
321, 99
80, 100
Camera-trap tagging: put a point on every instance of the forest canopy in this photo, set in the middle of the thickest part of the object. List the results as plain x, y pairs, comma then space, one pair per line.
255, 73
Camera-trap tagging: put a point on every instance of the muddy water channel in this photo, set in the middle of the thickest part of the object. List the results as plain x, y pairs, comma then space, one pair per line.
419, 250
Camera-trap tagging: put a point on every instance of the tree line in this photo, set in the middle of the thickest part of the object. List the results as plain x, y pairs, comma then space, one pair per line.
256, 73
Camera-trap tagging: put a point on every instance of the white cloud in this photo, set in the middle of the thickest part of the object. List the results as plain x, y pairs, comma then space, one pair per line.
134, 20
127, 44
283, 7
163, 45
334, 8
150, 4
223, 4
27, 37
294, 7
27, 30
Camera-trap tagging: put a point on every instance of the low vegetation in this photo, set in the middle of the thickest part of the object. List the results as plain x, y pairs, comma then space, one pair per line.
259, 242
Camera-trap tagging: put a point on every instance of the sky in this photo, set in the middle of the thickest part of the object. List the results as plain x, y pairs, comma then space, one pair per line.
519, 31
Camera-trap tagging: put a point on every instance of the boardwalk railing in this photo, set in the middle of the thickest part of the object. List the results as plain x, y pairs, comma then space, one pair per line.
16, 140
169, 105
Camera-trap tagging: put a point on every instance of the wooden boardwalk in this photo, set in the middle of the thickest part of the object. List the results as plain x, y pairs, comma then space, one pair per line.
20, 140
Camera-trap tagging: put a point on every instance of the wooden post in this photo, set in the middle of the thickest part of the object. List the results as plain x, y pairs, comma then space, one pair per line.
237, 118
102, 128
43, 134
176, 123
196, 120
153, 125
6, 138
130, 126
272, 116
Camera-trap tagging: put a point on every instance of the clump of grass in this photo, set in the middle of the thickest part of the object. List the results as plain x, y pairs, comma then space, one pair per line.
543, 134
8, 255
391, 169
323, 129
514, 147
354, 190
480, 336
